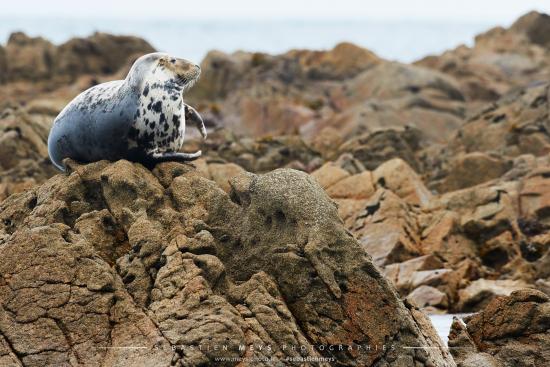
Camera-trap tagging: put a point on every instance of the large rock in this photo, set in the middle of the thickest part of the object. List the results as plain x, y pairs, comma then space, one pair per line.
373, 149
261, 155
345, 60
113, 255
326, 96
24, 159
493, 140
3, 65
471, 169
534, 197
223, 73
392, 96
536, 27
510, 331
34, 58
29, 58
386, 228
400, 178
512, 126
500, 60
482, 291
100, 53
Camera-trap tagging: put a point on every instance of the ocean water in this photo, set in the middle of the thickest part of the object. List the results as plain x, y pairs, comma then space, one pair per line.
442, 324
404, 41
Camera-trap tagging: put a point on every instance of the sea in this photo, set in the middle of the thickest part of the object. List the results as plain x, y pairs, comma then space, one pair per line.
403, 40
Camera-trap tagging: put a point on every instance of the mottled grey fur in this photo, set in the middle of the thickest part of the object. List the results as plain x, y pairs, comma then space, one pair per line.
141, 118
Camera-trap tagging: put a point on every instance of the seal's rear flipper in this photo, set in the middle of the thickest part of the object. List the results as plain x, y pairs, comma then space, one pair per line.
177, 157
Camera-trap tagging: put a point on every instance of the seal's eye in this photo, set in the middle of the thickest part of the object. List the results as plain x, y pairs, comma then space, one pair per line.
162, 62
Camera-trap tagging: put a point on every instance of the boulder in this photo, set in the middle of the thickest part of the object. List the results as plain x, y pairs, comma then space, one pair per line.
373, 149
28, 58
536, 27
396, 175
499, 61
329, 174
512, 126
223, 173
359, 186
345, 60
480, 292
471, 169
100, 53
24, 159
193, 274
35, 59
509, 331
261, 154
401, 273
3, 65
426, 296
386, 228
535, 195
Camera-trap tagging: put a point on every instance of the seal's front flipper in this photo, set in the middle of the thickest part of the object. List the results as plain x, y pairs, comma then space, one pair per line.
192, 115
177, 157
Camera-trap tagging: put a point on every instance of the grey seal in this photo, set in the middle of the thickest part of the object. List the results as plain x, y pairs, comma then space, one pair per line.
141, 118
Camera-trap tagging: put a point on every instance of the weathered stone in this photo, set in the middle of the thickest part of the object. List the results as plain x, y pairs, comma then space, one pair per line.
535, 196
473, 168
359, 186
269, 264
397, 176
223, 173
425, 296
480, 292
329, 174
509, 331
386, 229
401, 273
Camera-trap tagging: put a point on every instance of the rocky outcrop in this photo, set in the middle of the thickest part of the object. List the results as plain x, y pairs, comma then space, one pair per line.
426, 183
500, 60
452, 252
373, 149
510, 331
24, 159
262, 154
35, 59
485, 147
28, 58
100, 53
114, 264
314, 93
514, 125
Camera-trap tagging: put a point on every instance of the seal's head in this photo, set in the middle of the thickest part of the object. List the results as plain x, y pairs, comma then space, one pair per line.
163, 69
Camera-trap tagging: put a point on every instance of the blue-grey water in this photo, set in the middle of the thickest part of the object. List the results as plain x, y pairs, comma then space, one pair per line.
404, 41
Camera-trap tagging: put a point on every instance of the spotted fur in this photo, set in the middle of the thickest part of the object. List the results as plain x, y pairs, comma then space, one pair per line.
140, 118
159, 121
